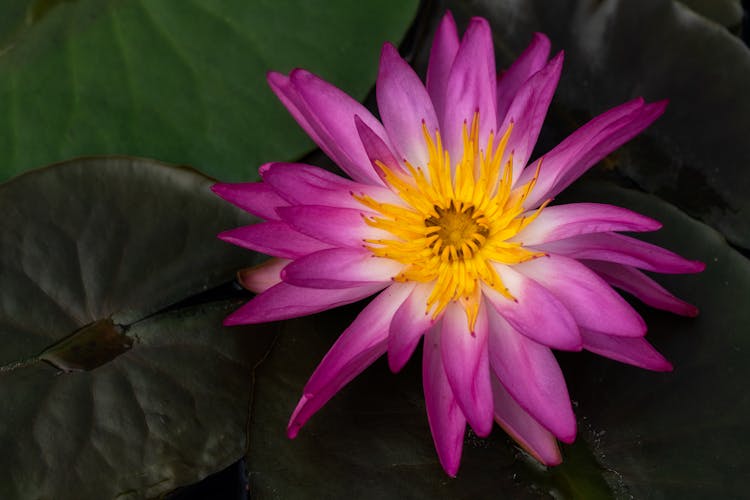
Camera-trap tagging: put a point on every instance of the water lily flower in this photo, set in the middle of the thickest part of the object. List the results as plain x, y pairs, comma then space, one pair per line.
447, 218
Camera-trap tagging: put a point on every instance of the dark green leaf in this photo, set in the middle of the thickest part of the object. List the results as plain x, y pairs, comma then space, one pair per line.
650, 435
91, 253
179, 81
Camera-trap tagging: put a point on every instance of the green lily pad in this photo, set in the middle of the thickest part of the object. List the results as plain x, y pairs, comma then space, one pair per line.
645, 434
111, 388
179, 81
696, 155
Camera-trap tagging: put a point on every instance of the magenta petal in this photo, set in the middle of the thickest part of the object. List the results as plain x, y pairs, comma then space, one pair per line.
612, 247
257, 198
527, 111
529, 62
260, 278
404, 106
331, 113
589, 144
591, 301
377, 150
442, 54
407, 326
356, 349
641, 286
302, 184
527, 432
471, 88
284, 301
340, 268
447, 422
535, 312
273, 238
291, 99
530, 373
634, 351
564, 221
467, 366
337, 226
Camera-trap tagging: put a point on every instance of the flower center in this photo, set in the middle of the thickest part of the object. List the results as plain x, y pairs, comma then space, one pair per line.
456, 221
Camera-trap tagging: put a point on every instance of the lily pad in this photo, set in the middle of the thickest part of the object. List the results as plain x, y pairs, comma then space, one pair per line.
111, 388
645, 434
696, 155
179, 81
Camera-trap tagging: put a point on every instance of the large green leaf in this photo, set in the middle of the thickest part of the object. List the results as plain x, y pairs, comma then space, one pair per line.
696, 155
645, 434
181, 81
109, 389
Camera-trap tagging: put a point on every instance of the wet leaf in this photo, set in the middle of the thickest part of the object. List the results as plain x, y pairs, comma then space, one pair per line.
108, 390
178, 81
645, 434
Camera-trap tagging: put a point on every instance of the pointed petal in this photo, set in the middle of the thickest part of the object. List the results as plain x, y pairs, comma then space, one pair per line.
257, 198
404, 107
633, 351
331, 113
530, 373
302, 184
467, 366
284, 301
447, 423
612, 247
590, 300
471, 88
636, 283
273, 238
356, 349
442, 54
564, 221
290, 98
377, 150
529, 62
587, 145
409, 323
527, 432
337, 226
527, 111
340, 268
260, 278
535, 312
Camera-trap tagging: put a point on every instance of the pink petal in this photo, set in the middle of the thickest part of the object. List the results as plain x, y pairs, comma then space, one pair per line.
377, 150
356, 349
625, 250
641, 286
407, 326
535, 313
563, 221
587, 145
442, 54
331, 113
255, 197
527, 112
634, 351
273, 238
302, 184
340, 268
471, 88
337, 226
527, 432
590, 300
447, 423
292, 101
404, 107
529, 62
260, 278
530, 373
466, 365
284, 301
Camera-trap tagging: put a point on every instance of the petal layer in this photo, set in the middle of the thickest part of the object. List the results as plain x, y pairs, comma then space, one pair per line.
337, 226
340, 268
273, 238
407, 326
257, 198
529, 62
633, 351
442, 55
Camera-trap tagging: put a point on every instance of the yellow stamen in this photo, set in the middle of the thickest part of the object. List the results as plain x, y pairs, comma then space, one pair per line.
457, 221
